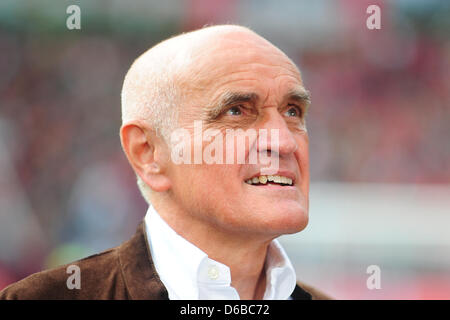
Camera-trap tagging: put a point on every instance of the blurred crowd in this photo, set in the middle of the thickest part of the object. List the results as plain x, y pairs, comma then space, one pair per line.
380, 113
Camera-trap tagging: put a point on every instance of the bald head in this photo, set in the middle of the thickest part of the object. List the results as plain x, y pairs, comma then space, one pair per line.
177, 75
160, 80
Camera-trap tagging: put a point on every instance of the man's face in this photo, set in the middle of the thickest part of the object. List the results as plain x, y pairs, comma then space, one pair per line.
245, 84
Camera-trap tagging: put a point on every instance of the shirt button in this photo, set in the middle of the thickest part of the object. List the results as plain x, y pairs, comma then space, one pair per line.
213, 272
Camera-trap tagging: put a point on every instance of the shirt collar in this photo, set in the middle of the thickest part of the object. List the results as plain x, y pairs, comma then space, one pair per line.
188, 273
280, 274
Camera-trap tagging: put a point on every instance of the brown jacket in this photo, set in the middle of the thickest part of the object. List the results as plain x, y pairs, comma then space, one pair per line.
123, 272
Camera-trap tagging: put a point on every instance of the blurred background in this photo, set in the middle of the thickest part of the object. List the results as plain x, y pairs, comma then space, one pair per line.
379, 133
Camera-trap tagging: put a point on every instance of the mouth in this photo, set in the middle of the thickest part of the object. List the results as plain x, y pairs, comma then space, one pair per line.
262, 180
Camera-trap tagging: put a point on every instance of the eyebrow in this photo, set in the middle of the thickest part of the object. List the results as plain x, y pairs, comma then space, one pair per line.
228, 99
300, 96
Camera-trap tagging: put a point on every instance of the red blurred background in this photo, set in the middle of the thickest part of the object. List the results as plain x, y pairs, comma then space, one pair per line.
379, 133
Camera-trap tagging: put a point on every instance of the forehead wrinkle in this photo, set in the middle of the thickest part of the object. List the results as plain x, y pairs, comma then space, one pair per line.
297, 93
253, 92
219, 57
216, 80
209, 70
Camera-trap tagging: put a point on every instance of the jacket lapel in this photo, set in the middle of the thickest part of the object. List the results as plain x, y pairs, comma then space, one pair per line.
138, 270
300, 294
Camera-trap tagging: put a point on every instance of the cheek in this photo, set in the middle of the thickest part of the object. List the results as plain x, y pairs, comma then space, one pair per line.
209, 192
222, 181
302, 156
201, 183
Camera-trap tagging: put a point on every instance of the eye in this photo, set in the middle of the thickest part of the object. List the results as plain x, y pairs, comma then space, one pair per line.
234, 111
294, 112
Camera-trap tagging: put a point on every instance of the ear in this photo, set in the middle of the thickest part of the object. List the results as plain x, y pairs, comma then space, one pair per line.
146, 153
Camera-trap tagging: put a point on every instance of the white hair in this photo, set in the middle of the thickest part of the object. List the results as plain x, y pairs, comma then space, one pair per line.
151, 92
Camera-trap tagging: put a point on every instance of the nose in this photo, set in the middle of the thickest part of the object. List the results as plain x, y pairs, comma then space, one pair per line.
280, 138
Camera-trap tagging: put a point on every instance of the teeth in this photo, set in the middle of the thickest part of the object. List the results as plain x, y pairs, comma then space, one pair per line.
265, 179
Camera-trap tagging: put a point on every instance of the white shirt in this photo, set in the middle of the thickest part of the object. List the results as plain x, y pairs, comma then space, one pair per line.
188, 273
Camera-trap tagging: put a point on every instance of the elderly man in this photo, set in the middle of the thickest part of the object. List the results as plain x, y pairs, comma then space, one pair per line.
211, 228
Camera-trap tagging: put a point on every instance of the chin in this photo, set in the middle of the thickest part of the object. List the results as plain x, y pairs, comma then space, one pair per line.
295, 222
287, 221
299, 225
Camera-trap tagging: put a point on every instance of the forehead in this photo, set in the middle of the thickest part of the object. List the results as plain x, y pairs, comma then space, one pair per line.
239, 62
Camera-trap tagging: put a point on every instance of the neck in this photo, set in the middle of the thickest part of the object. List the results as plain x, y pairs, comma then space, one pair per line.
246, 262
244, 254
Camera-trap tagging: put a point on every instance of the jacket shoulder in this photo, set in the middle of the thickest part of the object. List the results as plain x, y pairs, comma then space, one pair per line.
99, 278
315, 293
